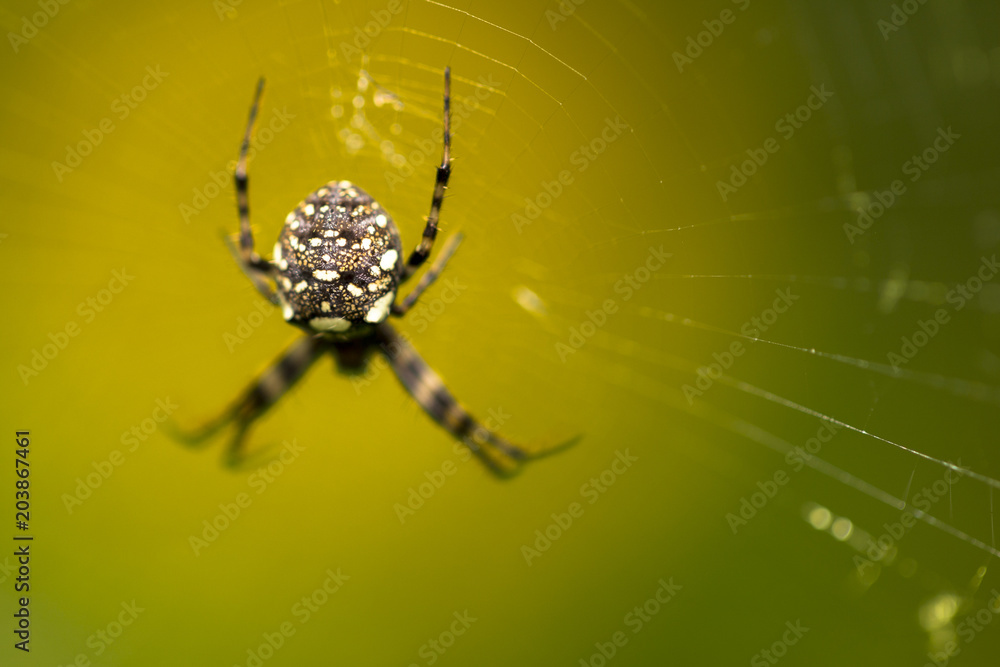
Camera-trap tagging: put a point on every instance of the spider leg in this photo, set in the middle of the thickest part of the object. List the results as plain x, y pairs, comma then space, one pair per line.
423, 249
450, 246
256, 268
254, 275
427, 389
259, 396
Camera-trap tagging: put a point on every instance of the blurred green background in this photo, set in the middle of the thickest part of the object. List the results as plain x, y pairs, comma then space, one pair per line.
589, 137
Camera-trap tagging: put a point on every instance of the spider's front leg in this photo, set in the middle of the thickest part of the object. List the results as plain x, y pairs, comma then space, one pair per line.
427, 389
423, 249
255, 268
259, 396
400, 308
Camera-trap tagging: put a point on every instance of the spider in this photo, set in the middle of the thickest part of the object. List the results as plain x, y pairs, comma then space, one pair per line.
335, 273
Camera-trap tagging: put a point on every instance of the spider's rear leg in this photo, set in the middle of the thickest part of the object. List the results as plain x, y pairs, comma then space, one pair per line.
259, 396
427, 389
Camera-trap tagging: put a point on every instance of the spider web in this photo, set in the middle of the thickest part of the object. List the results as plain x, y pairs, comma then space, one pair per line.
534, 87
397, 75
546, 89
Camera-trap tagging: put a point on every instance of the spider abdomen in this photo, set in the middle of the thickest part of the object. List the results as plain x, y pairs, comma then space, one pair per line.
338, 261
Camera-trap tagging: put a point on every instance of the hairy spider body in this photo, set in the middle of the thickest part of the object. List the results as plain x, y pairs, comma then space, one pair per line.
338, 262
336, 271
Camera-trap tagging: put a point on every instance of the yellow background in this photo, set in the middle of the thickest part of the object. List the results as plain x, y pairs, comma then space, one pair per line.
534, 89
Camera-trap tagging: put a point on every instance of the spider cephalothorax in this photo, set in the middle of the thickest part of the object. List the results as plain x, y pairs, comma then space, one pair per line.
338, 262
336, 270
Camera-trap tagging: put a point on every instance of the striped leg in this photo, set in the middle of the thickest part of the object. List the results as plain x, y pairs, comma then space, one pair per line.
400, 308
427, 389
255, 268
260, 396
423, 249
